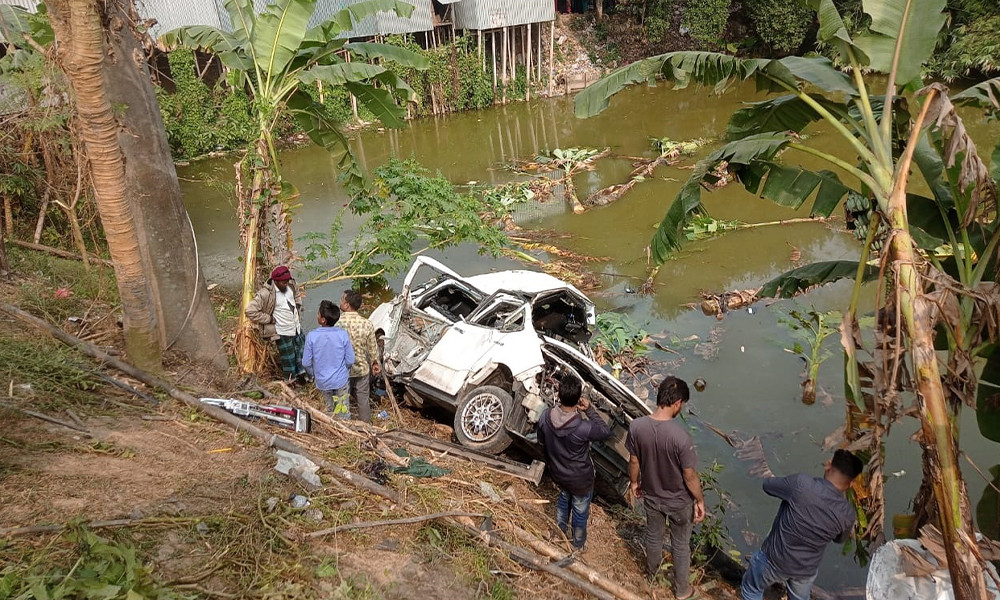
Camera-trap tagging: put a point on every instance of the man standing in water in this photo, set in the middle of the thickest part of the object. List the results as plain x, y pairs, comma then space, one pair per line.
814, 512
662, 471
276, 309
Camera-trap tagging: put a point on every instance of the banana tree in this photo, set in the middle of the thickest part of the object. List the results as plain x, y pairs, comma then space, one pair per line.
277, 56
938, 251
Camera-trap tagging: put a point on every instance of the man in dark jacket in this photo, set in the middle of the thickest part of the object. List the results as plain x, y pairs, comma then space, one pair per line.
814, 511
566, 437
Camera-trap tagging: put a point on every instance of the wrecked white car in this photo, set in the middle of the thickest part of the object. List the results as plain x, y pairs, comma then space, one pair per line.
492, 348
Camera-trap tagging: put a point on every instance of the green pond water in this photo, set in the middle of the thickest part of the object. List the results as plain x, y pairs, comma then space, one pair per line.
753, 385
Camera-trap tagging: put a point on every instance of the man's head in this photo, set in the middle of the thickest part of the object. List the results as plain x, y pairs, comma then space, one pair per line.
843, 468
673, 392
281, 276
570, 388
351, 300
329, 314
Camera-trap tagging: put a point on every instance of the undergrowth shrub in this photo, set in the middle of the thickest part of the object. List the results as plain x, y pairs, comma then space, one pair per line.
705, 20
782, 25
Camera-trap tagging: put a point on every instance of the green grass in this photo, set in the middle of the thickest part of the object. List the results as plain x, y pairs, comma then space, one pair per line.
56, 288
51, 376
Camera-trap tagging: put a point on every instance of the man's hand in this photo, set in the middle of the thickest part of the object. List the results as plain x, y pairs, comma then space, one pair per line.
636, 490
584, 404
699, 511
376, 369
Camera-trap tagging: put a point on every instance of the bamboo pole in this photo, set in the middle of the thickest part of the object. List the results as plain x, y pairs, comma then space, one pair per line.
503, 59
538, 54
493, 52
527, 70
552, 51
354, 101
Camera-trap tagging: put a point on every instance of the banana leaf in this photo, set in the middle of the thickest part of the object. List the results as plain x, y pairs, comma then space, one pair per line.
401, 56
784, 113
913, 25
715, 69
380, 102
324, 132
340, 73
794, 282
278, 32
751, 160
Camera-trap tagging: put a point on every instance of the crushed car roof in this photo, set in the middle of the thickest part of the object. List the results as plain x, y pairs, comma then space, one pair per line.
529, 282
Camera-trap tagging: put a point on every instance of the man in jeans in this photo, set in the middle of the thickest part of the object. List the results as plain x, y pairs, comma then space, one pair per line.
566, 437
662, 471
814, 511
328, 356
362, 334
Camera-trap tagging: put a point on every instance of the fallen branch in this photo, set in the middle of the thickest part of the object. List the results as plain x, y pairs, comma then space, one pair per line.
37, 529
406, 521
546, 549
60, 253
533, 561
54, 420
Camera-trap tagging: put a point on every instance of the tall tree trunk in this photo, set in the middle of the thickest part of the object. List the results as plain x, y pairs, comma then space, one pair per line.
600, 10
937, 428
80, 35
169, 250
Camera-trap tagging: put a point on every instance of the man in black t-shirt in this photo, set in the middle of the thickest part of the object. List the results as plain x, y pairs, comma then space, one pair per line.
662, 471
566, 437
813, 513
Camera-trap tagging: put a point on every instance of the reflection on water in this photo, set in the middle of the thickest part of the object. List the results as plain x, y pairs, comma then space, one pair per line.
753, 384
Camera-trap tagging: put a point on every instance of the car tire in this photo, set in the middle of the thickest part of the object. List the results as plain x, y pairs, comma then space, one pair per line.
481, 417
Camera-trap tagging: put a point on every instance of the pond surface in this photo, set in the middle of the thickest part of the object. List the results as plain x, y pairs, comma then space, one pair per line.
752, 383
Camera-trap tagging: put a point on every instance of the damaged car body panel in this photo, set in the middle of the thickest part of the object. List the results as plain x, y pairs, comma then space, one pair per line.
494, 355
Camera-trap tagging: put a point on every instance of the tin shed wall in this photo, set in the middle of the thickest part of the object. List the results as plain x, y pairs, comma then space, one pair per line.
490, 14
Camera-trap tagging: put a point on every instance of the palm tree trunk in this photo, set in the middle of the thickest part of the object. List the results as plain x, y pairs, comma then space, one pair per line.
77, 24
936, 426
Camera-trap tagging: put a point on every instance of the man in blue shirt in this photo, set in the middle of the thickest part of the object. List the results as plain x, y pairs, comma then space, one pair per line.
814, 512
328, 357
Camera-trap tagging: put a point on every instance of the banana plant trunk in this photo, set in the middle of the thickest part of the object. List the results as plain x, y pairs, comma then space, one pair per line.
936, 425
251, 351
80, 34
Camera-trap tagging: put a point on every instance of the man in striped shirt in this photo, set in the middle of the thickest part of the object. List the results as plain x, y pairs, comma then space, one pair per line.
362, 335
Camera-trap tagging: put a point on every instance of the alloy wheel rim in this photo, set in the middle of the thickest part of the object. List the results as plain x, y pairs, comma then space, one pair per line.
482, 417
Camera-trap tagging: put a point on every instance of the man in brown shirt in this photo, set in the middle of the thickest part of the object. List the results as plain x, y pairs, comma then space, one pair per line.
662, 471
362, 334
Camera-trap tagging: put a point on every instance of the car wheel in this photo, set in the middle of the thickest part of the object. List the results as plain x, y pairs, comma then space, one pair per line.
480, 419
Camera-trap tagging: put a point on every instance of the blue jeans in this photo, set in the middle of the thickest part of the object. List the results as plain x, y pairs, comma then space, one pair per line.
761, 575
581, 512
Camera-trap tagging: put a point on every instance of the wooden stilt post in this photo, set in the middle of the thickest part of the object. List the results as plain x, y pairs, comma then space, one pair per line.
503, 60
538, 56
493, 51
552, 51
527, 55
479, 42
354, 101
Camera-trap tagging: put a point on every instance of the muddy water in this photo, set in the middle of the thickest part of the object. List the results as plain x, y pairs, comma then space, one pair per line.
753, 384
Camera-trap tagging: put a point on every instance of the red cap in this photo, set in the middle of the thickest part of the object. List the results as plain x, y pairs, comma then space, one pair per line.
281, 273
